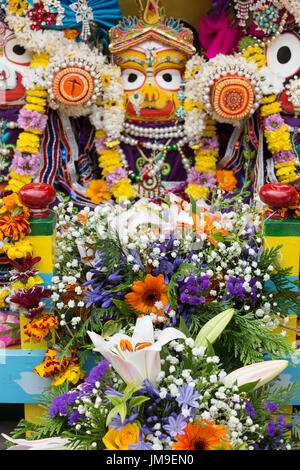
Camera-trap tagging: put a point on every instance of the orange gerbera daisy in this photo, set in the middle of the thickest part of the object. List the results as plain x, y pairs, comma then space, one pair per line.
146, 293
14, 227
206, 436
226, 180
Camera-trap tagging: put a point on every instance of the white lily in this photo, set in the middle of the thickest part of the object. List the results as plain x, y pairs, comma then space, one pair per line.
52, 443
262, 371
136, 358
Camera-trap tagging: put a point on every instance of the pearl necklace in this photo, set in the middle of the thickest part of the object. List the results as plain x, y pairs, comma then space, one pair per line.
151, 145
154, 133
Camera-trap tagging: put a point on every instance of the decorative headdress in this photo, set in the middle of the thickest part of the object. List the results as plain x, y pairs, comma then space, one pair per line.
152, 24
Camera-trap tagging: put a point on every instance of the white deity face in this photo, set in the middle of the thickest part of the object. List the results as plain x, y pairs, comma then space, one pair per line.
14, 63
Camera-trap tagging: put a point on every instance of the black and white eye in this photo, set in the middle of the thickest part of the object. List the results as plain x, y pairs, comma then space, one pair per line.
283, 55
169, 79
132, 79
16, 53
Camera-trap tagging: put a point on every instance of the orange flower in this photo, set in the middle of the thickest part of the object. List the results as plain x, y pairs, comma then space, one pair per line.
39, 328
13, 202
97, 191
146, 293
208, 226
13, 227
51, 365
226, 180
207, 436
71, 33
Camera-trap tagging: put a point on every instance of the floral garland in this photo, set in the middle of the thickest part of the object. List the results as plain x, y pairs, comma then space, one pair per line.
276, 132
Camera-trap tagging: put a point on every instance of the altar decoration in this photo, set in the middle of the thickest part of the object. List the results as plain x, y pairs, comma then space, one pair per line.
164, 390
67, 77
250, 81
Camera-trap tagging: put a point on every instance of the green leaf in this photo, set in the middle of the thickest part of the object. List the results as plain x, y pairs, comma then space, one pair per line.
249, 387
122, 410
110, 328
137, 401
183, 328
114, 400
129, 391
112, 414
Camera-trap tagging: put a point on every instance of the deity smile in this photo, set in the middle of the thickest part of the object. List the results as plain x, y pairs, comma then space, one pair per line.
15, 94
152, 111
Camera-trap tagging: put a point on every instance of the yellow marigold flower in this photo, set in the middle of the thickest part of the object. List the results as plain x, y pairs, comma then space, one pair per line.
108, 160
268, 99
205, 162
255, 54
71, 33
123, 190
18, 7
97, 191
226, 180
39, 60
122, 438
197, 192
3, 295
39, 328
19, 250
272, 108
35, 107
73, 374
278, 140
28, 142
36, 100
287, 174
11, 203
39, 92
99, 134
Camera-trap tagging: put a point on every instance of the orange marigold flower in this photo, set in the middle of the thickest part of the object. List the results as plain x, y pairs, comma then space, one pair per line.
51, 365
13, 227
226, 180
97, 191
71, 33
11, 203
39, 328
205, 436
146, 293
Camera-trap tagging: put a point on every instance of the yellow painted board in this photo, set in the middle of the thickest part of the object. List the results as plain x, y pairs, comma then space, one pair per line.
289, 254
290, 335
44, 246
33, 413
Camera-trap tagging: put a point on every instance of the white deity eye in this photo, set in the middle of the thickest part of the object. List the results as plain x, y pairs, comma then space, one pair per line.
132, 79
283, 55
16, 53
169, 79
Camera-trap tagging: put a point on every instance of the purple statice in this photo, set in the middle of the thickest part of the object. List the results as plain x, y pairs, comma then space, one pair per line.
74, 417
141, 445
175, 425
96, 375
271, 428
191, 292
271, 406
117, 423
235, 287
281, 422
250, 410
187, 398
59, 406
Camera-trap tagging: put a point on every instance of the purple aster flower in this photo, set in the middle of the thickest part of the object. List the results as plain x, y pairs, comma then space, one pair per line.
250, 410
176, 425
32, 120
273, 122
271, 406
141, 445
187, 397
283, 156
271, 428
117, 423
99, 144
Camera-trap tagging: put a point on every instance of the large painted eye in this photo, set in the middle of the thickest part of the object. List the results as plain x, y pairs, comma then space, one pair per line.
169, 79
16, 53
283, 55
132, 79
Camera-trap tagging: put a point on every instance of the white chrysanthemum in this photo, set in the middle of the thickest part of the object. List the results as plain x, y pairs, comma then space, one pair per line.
270, 82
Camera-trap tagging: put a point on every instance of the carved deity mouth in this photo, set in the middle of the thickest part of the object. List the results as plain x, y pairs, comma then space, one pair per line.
152, 112
8, 96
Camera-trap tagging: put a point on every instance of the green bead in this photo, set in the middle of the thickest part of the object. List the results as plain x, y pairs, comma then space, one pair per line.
132, 176
138, 179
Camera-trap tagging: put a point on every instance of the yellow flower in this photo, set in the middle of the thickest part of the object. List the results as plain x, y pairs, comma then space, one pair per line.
120, 439
31, 282
197, 192
123, 190
108, 160
18, 7
35, 107
272, 108
97, 191
3, 294
205, 162
287, 174
256, 54
36, 100
39, 60
38, 91
190, 105
28, 142
268, 99
105, 79
11, 203
19, 250
278, 140
73, 373
99, 134
17, 181
226, 180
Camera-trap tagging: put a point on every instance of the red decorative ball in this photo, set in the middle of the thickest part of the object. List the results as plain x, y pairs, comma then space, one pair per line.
38, 197
278, 196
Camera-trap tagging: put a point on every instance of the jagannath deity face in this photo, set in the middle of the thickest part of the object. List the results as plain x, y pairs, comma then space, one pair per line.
283, 58
14, 62
152, 76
